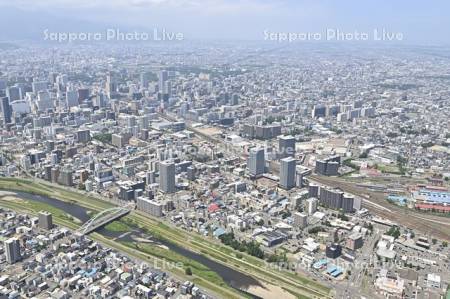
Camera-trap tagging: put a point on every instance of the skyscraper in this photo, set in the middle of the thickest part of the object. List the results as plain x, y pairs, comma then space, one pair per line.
286, 146
163, 76
12, 250
111, 85
71, 98
256, 161
45, 220
287, 173
6, 110
145, 79
13, 93
167, 176
300, 220
311, 205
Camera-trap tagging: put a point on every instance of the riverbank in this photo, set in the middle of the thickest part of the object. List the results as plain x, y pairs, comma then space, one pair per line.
292, 283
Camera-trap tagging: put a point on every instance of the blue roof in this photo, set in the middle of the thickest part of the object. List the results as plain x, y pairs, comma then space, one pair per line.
331, 269
435, 196
336, 273
218, 232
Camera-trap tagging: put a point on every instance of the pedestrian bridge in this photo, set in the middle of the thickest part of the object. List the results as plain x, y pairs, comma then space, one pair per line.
102, 218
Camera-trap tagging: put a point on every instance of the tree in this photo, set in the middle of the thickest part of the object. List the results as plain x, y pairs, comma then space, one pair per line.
444, 243
434, 241
188, 271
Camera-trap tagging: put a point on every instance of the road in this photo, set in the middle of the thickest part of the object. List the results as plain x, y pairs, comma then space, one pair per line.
375, 202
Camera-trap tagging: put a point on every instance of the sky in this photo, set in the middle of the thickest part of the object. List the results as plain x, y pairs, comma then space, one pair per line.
420, 22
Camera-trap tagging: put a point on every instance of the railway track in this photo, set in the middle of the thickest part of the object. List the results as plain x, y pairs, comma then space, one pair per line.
376, 203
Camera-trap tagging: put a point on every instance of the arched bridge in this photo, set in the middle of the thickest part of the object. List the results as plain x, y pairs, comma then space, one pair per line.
102, 218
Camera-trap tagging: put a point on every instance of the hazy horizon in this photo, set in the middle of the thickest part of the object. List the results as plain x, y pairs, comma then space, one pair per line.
417, 22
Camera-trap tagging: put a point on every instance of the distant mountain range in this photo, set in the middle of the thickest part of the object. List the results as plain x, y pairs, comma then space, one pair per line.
18, 24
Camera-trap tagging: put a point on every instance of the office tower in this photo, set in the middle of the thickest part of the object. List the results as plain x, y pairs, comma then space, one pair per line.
66, 177
6, 110
333, 251
119, 140
256, 161
319, 111
111, 85
286, 146
167, 176
145, 79
347, 203
150, 178
143, 122
331, 198
149, 206
45, 220
321, 167
13, 93
39, 86
44, 101
299, 179
287, 173
311, 205
328, 166
190, 173
354, 241
99, 100
71, 98
332, 168
163, 76
300, 220
83, 94
12, 250
313, 190
48, 173
2, 84
83, 136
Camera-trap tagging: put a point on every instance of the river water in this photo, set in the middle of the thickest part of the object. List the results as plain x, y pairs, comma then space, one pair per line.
232, 277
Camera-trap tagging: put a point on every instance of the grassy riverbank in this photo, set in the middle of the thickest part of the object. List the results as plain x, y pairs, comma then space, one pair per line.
293, 283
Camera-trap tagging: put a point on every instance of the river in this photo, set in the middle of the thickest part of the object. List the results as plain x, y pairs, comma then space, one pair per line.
232, 277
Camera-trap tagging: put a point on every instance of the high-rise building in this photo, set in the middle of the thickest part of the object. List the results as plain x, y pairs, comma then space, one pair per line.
331, 198
44, 101
333, 251
6, 110
12, 250
167, 176
286, 146
347, 203
287, 173
145, 79
13, 93
39, 86
163, 76
311, 205
300, 220
149, 206
83, 94
71, 98
313, 190
328, 166
111, 86
66, 177
45, 220
256, 161
83, 136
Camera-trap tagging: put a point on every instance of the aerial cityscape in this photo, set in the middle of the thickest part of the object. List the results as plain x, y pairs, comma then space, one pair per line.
154, 165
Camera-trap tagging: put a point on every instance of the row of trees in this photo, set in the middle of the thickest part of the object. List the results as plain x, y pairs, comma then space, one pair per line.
251, 248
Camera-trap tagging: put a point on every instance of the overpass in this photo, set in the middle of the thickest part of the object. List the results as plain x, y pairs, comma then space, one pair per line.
101, 219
